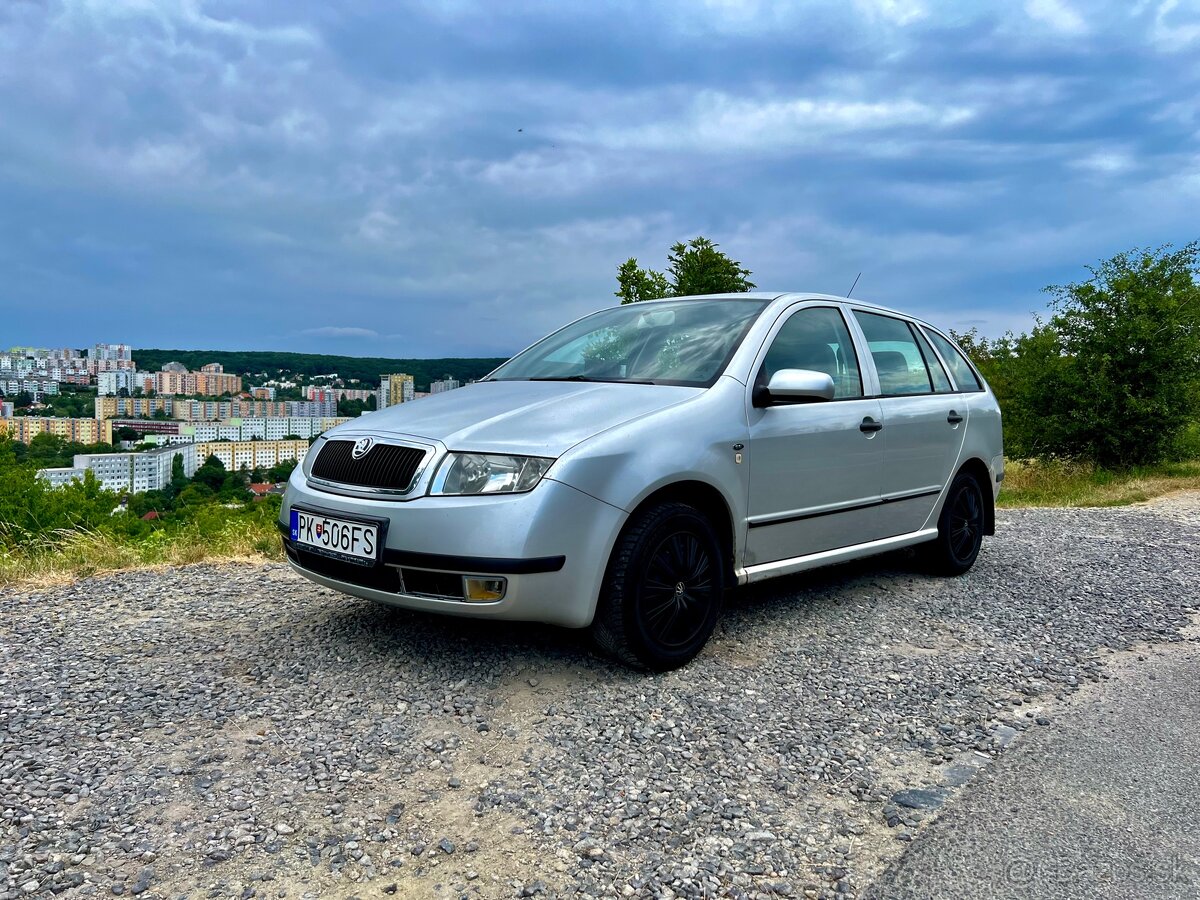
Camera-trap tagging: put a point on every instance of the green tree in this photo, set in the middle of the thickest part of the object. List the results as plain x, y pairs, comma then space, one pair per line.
1132, 333
23, 400
281, 471
696, 267
211, 474
179, 479
1114, 375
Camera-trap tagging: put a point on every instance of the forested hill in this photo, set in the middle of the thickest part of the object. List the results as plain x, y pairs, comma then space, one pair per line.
364, 368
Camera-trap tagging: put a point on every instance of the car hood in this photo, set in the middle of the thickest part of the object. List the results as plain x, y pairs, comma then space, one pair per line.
535, 418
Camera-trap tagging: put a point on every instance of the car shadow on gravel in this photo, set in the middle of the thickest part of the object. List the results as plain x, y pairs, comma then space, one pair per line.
371, 630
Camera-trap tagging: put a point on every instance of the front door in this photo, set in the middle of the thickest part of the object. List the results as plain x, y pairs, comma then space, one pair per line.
815, 468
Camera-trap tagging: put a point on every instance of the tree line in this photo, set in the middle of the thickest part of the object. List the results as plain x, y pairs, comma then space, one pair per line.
367, 369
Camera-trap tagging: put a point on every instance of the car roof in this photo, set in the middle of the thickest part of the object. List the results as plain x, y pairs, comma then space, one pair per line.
786, 297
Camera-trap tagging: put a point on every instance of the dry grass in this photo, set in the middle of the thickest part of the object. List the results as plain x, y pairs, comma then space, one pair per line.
1064, 483
68, 555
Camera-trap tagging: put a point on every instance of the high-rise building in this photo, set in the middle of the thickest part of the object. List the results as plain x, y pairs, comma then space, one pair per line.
393, 389
446, 384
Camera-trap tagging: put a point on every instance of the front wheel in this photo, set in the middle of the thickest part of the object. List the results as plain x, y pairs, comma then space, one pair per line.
663, 589
960, 528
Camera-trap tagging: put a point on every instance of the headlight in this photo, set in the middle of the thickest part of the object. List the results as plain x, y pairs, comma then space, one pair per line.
488, 473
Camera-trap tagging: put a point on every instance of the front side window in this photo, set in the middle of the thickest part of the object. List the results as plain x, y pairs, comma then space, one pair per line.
685, 342
816, 339
897, 357
964, 375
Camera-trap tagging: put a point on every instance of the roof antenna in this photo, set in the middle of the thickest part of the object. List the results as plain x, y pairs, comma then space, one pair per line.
853, 286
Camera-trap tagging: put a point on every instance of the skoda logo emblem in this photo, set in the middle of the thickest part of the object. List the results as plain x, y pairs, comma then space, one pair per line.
361, 446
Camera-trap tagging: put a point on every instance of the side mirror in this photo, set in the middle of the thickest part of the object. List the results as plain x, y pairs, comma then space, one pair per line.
796, 386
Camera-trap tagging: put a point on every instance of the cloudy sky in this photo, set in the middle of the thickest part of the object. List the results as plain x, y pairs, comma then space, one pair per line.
458, 177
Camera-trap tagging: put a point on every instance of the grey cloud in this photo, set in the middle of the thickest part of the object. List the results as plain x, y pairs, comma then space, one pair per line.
458, 178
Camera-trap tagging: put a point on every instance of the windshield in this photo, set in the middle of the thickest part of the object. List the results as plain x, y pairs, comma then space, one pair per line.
684, 342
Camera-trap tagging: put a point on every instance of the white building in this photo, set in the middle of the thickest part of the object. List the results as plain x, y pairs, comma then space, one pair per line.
59, 477
109, 384
446, 384
265, 428
149, 470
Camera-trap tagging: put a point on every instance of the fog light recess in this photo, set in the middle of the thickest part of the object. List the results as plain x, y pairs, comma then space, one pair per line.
484, 590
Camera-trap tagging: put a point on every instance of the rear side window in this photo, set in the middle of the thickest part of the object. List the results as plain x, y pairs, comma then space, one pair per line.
816, 339
898, 359
964, 375
941, 383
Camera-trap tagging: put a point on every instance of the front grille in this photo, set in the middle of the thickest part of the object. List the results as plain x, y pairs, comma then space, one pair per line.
385, 466
444, 585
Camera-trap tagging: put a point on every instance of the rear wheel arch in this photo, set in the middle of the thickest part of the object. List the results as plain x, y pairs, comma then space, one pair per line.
978, 469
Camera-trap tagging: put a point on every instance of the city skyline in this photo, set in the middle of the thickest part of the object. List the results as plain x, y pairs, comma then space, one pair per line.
459, 180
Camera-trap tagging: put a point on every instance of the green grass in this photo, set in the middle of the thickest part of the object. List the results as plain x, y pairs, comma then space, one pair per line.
1065, 483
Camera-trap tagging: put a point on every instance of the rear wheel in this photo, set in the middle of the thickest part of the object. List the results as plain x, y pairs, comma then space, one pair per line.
960, 528
663, 589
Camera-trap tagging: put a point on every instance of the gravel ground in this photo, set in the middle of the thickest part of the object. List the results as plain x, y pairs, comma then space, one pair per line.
239, 732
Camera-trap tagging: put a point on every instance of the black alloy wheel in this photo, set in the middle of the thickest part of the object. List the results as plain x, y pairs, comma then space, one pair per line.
960, 527
663, 589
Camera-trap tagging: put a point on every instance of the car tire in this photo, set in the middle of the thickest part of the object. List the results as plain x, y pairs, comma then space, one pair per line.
663, 589
960, 528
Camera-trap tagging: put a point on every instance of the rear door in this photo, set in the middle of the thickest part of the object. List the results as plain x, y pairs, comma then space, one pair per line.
924, 420
815, 468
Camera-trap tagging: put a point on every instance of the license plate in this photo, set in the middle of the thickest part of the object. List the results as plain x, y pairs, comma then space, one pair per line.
356, 542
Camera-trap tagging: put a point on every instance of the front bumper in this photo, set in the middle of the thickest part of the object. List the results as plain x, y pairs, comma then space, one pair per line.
551, 545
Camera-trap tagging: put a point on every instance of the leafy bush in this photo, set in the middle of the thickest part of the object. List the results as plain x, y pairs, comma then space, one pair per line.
1114, 376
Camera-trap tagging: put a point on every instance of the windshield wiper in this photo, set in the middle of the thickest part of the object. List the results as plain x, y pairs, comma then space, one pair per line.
590, 379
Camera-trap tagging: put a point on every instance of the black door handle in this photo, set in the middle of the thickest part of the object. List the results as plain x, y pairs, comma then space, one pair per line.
954, 418
867, 425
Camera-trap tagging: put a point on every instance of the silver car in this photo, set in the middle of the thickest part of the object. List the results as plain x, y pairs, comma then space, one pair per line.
624, 472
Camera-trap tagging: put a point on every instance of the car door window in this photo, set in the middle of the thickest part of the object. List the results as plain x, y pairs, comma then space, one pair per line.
964, 375
941, 382
817, 339
898, 359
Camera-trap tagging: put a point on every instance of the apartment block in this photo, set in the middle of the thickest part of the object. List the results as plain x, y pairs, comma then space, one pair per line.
235, 454
111, 352
393, 389
109, 384
264, 393
211, 380
148, 426
82, 431
148, 470
133, 407
37, 386
266, 428
445, 384
337, 394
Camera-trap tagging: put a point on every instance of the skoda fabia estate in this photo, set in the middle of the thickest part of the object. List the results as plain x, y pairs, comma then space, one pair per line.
624, 472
